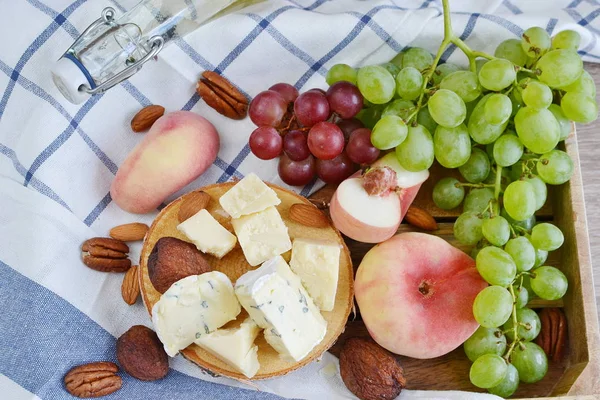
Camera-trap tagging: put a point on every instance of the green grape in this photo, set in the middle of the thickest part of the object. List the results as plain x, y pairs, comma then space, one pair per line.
369, 116
530, 328
584, 84
567, 39
555, 167
496, 230
424, 118
467, 228
522, 297
480, 129
485, 341
447, 108
497, 109
489, 150
341, 72
442, 71
392, 68
539, 188
478, 199
495, 265
470, 107
477, 167
540, 258
559, 68
535, 41
512, 51
415, 153
537, 95
492, 306
447, 195
579, 107
452, 146
508, 386
376, 84
538, 129
517, 103
519, 200
408, 83
526, 224
497, 74
549, 283
389, 132
401, 108
463, 83
488, 371
479, 63
522, 252
547, 237
563, 121
397, 60
418, 58
531, 362
527, 285
508, 149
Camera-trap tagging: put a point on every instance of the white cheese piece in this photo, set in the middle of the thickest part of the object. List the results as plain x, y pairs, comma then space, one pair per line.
208, 234
317, 263
275, 299
194, 306
234, 346
262, 235
248, 196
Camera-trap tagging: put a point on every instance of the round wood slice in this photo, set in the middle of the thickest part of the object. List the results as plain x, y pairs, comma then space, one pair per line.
234, 265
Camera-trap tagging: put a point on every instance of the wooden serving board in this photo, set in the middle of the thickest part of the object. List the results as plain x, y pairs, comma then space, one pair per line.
234, 265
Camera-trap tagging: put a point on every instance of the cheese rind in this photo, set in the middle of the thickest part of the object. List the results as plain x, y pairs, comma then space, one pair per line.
275, 299
262, 235
234, 346
317, 263
248, 196
194, 306
208, 234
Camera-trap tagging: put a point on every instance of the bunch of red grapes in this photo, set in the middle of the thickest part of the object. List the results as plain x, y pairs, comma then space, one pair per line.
314, 133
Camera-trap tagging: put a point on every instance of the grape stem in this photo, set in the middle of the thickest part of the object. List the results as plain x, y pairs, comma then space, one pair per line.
474, 185
515, 327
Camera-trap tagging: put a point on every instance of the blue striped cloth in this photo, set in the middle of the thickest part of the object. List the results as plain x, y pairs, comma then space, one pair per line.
57, 160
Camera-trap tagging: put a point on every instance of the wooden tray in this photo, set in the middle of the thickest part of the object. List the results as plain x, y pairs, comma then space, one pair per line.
234, 265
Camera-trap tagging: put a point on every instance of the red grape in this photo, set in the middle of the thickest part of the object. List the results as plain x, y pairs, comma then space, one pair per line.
360, 149
326, 140
265, 142
295, 145
348, 126
318, 90
287, 91
267, 108
311, 107
344, 99
335, 170
296, 173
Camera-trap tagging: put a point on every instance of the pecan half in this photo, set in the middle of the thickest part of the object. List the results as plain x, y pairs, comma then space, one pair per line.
222, 95
553, 333
106, 255
93, 380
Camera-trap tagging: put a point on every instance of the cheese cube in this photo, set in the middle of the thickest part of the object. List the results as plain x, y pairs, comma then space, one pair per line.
234, 346
262, 235
248, 196
274, 298
194, 306
317, 263
207, 234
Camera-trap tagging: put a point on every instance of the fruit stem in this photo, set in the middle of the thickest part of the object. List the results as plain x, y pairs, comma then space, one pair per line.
498, 182
515, 328
474, 185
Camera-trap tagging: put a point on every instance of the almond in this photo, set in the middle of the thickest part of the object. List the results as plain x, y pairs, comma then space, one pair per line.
146, 117
420, 218
130, 288
129, 232
192, 203
309, 215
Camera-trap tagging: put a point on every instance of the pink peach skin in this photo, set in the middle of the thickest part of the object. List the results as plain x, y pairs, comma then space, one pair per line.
415, 293
179, 147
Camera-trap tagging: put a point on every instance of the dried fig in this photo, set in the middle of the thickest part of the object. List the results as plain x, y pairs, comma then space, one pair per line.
141, 354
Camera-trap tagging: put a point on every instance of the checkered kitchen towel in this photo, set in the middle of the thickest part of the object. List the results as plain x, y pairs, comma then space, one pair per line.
57, 160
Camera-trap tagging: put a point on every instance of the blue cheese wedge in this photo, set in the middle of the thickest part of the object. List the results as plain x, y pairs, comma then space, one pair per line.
192, 307
208, 234
262, 235
234, 346
317, 263
275, 299
248, 196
